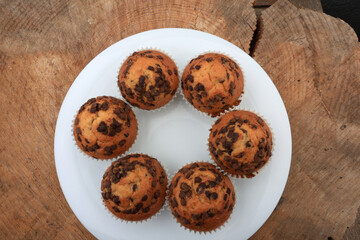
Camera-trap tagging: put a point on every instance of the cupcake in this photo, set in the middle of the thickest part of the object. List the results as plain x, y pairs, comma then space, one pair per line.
201, 198
148, 79
105, 127
212, 83
240, 142
134, 187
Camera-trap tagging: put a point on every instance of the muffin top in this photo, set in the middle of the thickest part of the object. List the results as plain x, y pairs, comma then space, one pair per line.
212, 83
240, 142
201, 197
148, 79
134, 187
105, 127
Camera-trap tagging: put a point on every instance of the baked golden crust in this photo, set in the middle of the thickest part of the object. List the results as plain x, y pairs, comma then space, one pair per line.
148, 79
240, 142
201, 198
134, 187
105, 127
212, 83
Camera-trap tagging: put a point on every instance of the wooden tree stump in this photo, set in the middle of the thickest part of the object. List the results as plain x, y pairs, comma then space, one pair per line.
314, 61
312, 58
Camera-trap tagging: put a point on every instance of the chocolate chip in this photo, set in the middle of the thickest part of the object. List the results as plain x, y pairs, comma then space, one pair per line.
195, 216
94, 108
159, 57
225, 197
144, 198
78, 130
115, 125
197, 67
197, 179
151, 68
188, 174
210, 213
153, 184
248, 144
158, 70
182, 194
226, 205
184, 221
237, 74
176, 181
201, 188
76, 121
202, 169
150, 56
218, 121
209, 59
157, 194
183, 201
240, 155
227, 145
93, 147
122, 142
234, 137
184, 186
134, 187
145, 210
214, 133
199, 224
190, 78
174, 203
176, 214
199, 87
208, 194
212, 184
116, 209
228, 191
104, 106
126, 135
214, 195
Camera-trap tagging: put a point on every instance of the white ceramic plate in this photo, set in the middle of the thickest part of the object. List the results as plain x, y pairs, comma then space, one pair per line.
175, 135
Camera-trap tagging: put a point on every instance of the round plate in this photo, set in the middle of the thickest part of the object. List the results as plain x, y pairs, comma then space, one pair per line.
175, 135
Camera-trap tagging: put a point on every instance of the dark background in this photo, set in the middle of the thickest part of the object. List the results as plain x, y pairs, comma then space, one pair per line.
347, 10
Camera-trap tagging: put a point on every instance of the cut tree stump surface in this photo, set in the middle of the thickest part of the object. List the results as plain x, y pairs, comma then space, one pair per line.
312, 58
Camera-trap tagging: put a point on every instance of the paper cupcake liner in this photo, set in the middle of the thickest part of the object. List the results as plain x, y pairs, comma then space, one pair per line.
227, 55
101, 159
153, 49
272, 139
191, 230
157, 214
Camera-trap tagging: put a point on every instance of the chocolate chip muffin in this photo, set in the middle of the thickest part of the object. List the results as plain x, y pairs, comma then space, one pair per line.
134, 187
200, 197
105, 127
212, 83
240, 142
148, 79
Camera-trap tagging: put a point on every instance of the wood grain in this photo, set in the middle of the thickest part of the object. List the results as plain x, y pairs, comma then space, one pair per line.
312, 58
314, 61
